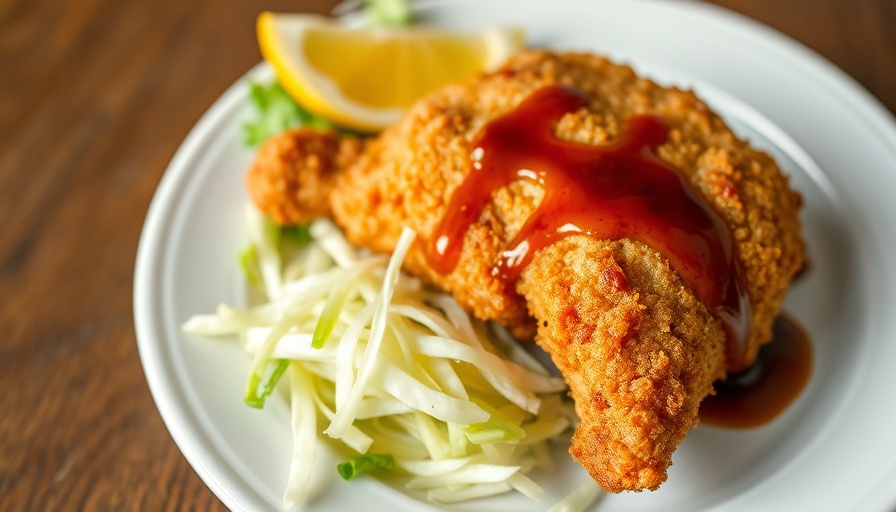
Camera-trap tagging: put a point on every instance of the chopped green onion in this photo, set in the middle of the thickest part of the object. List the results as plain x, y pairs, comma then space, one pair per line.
331, 311
355, 466
498, 428
256, 392
250, 266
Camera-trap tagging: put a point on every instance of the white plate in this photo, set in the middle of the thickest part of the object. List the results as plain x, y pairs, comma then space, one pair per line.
834, 449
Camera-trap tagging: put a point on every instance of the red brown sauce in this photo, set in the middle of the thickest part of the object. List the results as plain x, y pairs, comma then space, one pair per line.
620, 189
760, 393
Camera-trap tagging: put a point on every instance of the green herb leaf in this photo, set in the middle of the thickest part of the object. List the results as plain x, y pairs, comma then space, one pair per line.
355, 466
276, 112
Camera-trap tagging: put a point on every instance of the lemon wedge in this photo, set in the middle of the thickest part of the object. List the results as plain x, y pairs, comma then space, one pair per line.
363, 78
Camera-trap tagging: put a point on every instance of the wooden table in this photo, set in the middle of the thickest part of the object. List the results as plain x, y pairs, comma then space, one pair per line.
95, 96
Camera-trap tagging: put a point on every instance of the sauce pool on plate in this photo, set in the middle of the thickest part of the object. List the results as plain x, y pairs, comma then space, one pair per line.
760, 393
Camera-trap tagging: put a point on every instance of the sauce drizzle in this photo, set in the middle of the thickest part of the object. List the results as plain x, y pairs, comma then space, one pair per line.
617, 190
760, 393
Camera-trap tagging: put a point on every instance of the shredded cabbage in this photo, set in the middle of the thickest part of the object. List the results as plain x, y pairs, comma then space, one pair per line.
396, 372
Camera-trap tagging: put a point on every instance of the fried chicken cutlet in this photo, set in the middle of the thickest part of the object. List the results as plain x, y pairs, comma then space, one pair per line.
632, 334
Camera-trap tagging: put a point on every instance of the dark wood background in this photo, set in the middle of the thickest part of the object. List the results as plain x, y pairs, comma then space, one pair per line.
95, 96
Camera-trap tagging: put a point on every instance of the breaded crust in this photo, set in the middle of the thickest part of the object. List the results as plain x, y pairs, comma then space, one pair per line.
637, 348
293, 172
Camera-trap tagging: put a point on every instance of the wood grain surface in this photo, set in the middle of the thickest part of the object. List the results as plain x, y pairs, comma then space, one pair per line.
95, 97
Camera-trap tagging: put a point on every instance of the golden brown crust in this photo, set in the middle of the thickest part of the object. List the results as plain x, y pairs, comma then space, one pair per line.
293, 173
637, 348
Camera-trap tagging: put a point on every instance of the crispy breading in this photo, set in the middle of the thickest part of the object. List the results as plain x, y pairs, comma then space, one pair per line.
291, 197
637, 348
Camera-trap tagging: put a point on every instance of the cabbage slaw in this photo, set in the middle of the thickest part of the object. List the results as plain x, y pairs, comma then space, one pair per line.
395, 372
